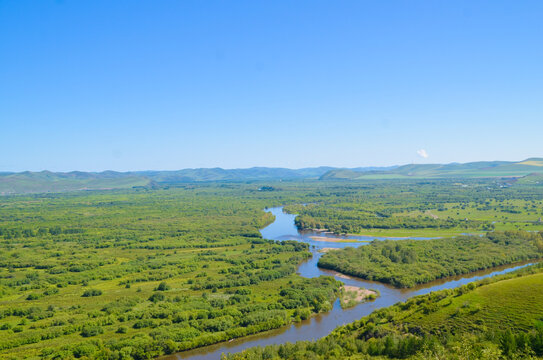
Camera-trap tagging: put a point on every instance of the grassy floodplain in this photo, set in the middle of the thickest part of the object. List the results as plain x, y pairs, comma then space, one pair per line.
141, 272
424, 208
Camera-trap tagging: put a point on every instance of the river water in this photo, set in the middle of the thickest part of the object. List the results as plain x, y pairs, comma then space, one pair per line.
283, 228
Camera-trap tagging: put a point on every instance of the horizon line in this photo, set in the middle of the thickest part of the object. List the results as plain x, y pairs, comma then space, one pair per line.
4, 172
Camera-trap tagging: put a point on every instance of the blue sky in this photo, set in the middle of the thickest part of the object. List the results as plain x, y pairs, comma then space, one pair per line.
134, 85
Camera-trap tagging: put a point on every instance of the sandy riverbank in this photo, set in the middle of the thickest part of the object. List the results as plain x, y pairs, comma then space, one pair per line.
327, 249
329, 239
352, 295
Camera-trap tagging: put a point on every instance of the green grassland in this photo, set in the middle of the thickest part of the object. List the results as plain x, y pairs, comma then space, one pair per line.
430, 208
499, 318
503, 215
509, 304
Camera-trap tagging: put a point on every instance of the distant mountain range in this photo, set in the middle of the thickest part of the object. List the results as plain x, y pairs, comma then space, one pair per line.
46, 181
478, 169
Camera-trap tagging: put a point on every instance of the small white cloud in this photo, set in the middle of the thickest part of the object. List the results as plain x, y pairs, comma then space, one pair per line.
422, 153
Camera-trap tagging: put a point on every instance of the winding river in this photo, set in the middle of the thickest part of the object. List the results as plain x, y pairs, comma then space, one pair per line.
283, 228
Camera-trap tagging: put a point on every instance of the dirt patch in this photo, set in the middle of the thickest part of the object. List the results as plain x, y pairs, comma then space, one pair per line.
361, 293
342, 276
327, 249
327, 239
352, 295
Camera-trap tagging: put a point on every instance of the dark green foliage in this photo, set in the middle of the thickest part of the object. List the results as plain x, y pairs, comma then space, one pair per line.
163, 286
309, 293
92, 292
157, 297
410, 262
91, 330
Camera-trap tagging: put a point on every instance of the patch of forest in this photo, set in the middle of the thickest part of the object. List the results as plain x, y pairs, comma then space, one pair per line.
406, 263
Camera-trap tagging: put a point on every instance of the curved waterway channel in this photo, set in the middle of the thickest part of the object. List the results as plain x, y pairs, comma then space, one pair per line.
283, 228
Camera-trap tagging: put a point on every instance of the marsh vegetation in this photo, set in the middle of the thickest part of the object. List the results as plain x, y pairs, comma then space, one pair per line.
142, 272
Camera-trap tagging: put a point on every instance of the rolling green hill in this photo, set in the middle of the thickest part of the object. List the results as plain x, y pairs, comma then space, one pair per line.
46, 181
533, 179
473, 170
219, 174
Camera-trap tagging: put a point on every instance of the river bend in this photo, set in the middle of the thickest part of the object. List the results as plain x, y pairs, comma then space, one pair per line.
283, 228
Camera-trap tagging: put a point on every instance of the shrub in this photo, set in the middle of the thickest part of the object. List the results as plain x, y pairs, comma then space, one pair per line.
92, 292
140, 324
91, 330
122, 330
157, 297
17, 329
163, 286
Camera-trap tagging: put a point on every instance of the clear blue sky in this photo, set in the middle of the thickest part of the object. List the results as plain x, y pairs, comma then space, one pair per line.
133, 85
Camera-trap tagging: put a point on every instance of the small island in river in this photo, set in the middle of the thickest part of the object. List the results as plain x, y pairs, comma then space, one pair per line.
331, 239
353, 295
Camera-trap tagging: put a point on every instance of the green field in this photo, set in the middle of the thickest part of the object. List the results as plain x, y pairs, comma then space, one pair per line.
509, 304
430, 208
